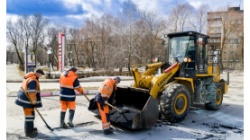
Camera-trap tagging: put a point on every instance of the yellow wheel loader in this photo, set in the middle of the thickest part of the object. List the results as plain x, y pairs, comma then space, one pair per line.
191, 74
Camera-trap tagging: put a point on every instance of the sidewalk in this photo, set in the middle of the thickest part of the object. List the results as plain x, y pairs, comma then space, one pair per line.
50, 87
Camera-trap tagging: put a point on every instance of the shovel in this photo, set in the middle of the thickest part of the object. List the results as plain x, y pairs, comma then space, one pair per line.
114, 108
109, 105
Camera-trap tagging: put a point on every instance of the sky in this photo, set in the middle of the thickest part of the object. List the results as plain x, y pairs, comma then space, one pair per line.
74, 12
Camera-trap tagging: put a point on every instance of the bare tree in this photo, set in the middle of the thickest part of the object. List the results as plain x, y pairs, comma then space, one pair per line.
154, 25
130, 14
90, 39
225, 22
14, 36
178, 17
24, 25
227, 27
52, 33
76, 50
199, 19
37, 27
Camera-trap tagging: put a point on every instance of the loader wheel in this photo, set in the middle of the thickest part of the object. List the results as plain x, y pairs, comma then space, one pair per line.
215, 99
174, 103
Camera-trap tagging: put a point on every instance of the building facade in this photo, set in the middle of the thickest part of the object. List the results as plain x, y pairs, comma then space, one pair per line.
226, 31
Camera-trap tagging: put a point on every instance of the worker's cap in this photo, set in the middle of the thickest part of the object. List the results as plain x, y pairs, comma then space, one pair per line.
74, 69
39, 71
117, 78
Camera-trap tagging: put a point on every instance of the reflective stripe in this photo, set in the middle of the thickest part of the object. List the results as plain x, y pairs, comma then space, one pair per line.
104, 95
23, 101
27, 102
34, 101
31, 90
104, 86
106, 128
29, 120
78, 86
66, 86
70, 96
29, 117
106, 124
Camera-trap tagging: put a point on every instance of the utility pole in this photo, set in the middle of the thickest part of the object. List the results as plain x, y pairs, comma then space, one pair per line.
70, 56
26, 58
49, 52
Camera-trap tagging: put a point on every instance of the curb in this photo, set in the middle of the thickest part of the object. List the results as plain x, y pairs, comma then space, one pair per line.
57, 80
56, 93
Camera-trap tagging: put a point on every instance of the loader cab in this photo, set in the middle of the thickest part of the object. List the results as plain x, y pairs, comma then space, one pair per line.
190, 49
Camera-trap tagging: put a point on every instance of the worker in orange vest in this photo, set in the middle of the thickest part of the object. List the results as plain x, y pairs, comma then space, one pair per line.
105, 91
29, 97
68, 84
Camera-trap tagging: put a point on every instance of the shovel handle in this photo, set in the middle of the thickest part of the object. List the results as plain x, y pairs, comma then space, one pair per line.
86, 97
114, 107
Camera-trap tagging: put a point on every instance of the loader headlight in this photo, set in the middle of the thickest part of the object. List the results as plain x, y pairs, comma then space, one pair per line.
185, 59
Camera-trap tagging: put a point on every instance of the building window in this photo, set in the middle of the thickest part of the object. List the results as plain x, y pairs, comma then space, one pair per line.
239, 40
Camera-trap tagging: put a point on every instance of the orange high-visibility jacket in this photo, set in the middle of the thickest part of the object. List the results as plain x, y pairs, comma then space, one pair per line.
107, 87
31, 92
68, 84
30, 85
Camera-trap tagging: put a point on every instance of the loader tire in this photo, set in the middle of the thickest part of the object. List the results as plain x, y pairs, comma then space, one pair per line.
174, 103
215, 98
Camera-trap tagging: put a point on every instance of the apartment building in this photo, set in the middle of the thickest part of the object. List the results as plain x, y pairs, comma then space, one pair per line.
226, 30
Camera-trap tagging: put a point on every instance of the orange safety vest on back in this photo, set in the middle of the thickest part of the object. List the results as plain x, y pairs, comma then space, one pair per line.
67, 81
107, 87
31, 92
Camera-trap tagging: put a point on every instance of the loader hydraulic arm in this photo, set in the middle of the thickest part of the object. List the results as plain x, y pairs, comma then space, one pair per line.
142, 80
154, 83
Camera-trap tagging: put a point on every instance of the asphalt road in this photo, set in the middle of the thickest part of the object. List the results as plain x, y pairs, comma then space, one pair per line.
226, 123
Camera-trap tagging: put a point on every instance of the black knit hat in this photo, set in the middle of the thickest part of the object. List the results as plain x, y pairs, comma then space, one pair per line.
117, 78
74, 69
40, 71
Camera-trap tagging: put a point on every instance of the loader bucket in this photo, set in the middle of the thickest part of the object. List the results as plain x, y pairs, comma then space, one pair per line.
140, 109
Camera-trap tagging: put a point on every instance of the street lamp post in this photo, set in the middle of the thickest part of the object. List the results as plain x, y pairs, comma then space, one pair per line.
26, 58
70, 56
49, 52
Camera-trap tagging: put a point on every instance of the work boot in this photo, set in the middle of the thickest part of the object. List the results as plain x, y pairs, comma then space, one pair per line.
108, 131
62, 123
71, 116
35, 129
31, 134
70, 124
